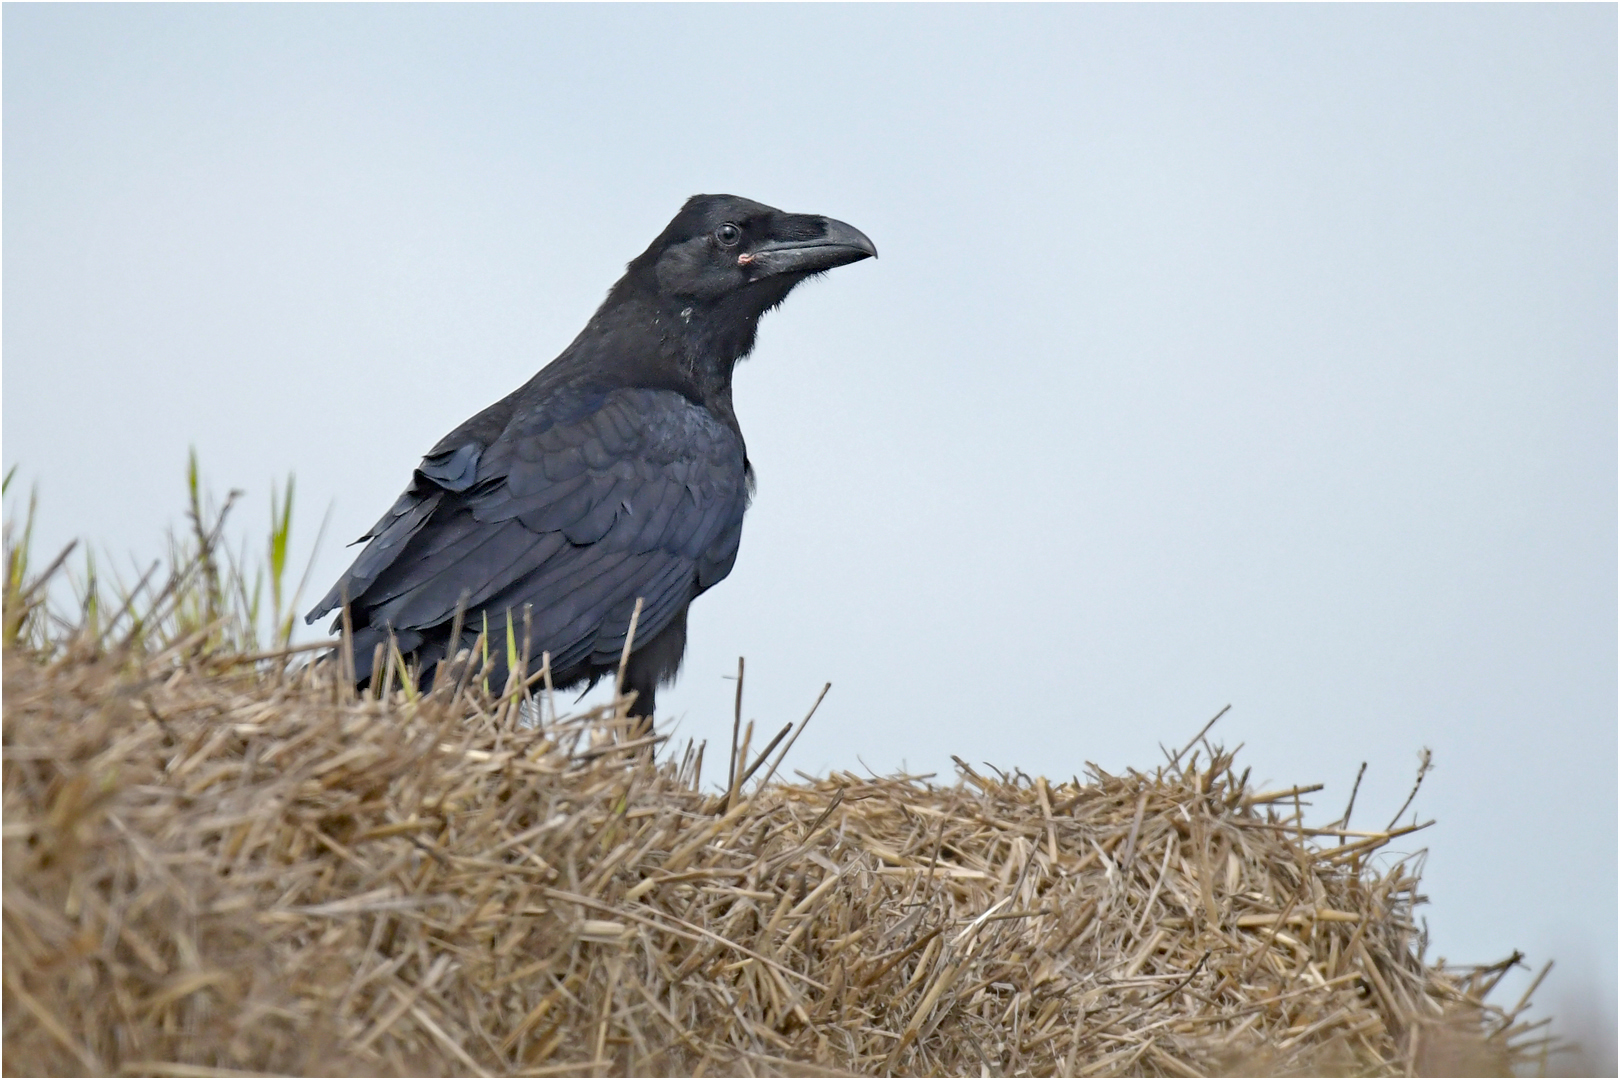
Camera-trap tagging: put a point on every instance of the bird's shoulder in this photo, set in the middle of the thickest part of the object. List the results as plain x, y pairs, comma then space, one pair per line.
621, 387
591, 425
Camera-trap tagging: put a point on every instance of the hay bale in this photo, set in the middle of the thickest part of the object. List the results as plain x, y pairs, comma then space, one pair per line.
212, 865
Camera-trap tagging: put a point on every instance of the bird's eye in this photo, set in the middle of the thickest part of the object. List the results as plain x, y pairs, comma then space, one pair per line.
727, 235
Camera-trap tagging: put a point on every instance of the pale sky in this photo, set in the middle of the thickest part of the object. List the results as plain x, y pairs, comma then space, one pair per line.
1249, 355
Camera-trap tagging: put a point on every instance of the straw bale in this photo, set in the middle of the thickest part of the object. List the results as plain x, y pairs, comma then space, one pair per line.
216, 867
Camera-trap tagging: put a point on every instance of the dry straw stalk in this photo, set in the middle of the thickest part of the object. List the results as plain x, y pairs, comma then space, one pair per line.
215, 866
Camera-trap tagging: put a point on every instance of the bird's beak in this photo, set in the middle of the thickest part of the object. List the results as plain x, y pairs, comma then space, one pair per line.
837, 245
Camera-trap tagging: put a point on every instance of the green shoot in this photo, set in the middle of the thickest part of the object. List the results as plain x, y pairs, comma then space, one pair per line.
511, 650
281, 612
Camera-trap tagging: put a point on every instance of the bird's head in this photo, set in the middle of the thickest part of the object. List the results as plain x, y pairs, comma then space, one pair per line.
736, 253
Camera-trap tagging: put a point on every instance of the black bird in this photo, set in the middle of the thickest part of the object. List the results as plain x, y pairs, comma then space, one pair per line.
617, 473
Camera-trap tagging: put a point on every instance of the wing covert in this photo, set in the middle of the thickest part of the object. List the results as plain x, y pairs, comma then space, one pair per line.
583, 504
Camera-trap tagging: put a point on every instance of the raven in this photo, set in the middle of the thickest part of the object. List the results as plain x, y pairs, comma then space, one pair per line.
617, 473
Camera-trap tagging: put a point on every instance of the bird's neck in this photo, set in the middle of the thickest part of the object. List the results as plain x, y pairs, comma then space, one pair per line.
656, 341
707, 344
710, 340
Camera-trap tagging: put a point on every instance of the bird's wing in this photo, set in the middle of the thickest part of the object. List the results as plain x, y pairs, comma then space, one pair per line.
584, 504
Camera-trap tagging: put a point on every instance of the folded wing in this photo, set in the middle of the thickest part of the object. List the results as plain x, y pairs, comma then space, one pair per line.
581, 506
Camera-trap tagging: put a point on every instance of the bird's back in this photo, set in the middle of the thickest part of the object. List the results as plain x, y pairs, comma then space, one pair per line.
592, 495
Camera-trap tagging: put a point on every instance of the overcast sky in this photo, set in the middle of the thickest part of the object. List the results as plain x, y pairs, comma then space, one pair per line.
1249, 355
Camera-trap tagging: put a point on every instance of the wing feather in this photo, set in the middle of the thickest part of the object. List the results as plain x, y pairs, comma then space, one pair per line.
584, 503
388, 539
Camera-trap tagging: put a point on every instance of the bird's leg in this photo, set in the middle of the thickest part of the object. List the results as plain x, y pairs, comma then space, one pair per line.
651, 664
643, 683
